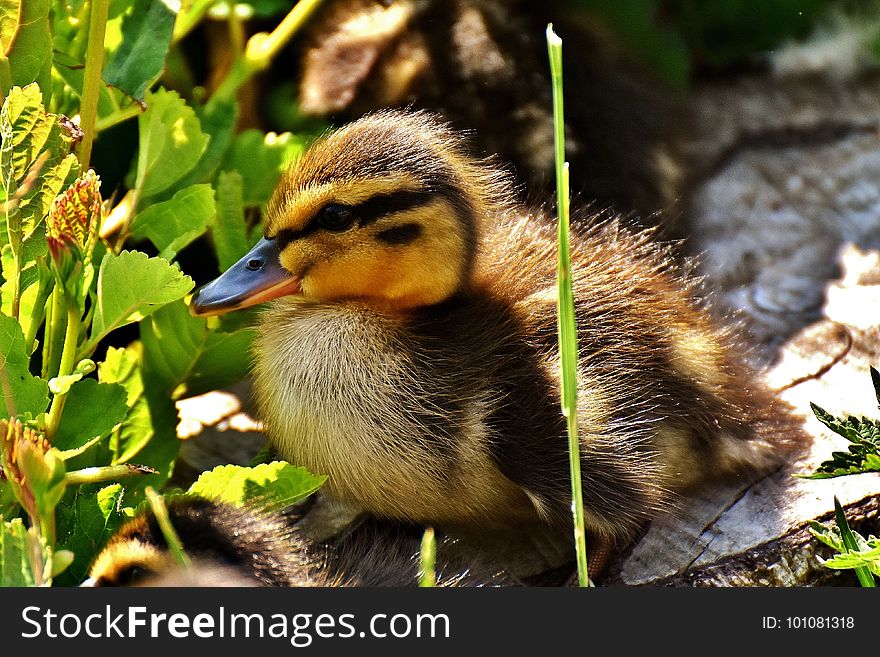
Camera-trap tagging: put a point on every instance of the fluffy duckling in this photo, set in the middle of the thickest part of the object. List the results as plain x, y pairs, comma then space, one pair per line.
482, 64
232, 546
410, 352
226, 544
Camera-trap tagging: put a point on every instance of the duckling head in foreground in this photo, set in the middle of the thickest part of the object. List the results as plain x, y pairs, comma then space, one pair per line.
410, 350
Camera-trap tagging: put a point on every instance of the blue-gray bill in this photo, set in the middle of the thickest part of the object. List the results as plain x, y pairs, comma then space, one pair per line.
256, 278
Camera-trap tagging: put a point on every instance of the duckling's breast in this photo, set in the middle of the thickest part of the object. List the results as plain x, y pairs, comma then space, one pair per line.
398, 420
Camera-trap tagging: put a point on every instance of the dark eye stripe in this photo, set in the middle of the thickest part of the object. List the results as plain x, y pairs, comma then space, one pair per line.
366, 212
376, 207
400, 235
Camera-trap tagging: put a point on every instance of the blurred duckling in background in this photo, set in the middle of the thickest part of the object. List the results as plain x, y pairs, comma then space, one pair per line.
227, 545
410, 351
249, 547
482, 65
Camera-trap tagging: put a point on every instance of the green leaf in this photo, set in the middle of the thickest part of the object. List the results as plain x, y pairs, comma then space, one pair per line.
30, 275
171, 225
26, 394
26, 42
171, 142
122, 366
260, 159
80, 423
86, 519
218, 119
15, 569
27, 132
146, 38
9, 506
863, 454
131, 286
182, 357
269, 486
149, 432
230, 239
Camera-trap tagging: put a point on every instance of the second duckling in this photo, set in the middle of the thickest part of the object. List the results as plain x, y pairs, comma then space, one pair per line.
410, 351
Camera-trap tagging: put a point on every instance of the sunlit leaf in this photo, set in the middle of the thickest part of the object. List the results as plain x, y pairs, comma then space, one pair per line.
171, 142
25, 393
268, 486
15, 567
131, 286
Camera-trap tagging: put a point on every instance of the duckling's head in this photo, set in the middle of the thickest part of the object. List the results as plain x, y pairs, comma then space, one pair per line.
385, 210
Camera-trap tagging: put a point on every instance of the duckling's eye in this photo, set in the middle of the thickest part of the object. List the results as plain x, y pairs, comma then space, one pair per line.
335, 217
131, 574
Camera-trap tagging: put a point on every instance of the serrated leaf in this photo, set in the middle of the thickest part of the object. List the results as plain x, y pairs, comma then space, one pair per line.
80, 423
26, 41
131, 286
173, 224
28, 132
171, 142
269, 486
30, 275
260, 159
27, 393
139, 59
15, 569
863, 454
87, 517
230, 237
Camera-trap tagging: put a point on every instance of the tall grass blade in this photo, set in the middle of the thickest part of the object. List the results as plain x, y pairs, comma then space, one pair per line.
428, 559
160, 511
568, 348
866, 578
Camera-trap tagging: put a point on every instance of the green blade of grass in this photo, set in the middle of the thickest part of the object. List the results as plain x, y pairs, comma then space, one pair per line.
566, 324
428, 559
866, 578
160, 511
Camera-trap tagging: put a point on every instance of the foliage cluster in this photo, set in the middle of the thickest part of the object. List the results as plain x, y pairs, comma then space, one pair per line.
96, 340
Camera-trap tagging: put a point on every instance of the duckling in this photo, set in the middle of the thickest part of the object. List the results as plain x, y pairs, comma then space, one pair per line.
410, 348
241, 546
482, 64
247, 547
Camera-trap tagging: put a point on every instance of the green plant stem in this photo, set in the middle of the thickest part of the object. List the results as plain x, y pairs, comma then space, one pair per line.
54, 331
38, 313
68, 361
160, 511
119, 116
92, 78
187, 20
13, 233
105, 473
567, 326
262, 48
